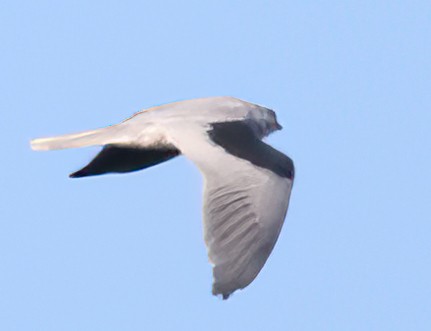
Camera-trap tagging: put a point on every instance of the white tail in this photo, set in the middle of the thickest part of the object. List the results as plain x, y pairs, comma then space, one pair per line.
83, 139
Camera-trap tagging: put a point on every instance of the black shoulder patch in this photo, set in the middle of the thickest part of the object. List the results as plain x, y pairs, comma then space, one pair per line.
121, 159
237, 138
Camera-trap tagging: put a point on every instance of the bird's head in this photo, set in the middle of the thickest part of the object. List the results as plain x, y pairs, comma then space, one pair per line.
266, 119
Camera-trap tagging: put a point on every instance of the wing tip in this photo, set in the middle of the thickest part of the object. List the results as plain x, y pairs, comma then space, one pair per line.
77, 174
84, 172
38, 144
221, 294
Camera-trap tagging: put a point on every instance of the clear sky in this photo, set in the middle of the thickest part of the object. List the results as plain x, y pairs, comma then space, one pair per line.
351, 84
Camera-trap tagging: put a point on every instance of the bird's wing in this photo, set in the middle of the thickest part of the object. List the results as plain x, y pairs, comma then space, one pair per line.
246, 195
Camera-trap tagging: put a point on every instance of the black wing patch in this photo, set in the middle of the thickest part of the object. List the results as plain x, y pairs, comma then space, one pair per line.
238, 138
121, 159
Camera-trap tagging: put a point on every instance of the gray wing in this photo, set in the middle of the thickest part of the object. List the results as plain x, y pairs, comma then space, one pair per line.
245, 203
243, 217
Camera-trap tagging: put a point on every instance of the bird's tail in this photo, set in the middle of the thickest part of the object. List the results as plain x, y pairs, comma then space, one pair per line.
75, 140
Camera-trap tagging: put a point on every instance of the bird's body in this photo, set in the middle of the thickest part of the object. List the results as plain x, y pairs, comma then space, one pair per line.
247, 183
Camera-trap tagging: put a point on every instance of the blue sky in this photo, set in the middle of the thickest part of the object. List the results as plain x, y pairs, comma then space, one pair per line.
350, 82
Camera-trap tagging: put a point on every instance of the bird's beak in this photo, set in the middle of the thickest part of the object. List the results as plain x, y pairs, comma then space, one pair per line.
277, 126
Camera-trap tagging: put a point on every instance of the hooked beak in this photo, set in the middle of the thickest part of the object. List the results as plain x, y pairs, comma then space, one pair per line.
277, 126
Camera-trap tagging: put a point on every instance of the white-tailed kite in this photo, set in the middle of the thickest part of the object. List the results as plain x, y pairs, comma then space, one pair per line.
247, 183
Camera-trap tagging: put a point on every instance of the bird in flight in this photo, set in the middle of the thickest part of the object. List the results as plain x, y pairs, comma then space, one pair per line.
247, 183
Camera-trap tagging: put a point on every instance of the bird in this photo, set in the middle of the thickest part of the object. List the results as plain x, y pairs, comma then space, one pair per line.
247, 183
